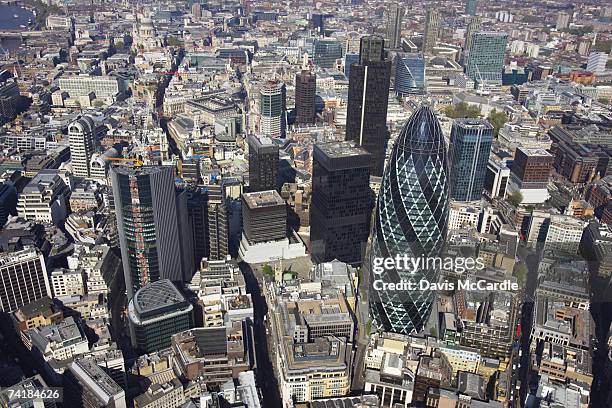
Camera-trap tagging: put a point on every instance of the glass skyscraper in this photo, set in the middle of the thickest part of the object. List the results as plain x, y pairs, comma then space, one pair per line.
326, 52
409, 74
470, 145
411, 218
485, 60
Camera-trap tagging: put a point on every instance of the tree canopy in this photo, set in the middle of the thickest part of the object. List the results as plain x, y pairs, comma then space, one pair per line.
462, 110
497, 120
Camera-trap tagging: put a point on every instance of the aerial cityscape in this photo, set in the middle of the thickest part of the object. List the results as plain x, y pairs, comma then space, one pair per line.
342, 204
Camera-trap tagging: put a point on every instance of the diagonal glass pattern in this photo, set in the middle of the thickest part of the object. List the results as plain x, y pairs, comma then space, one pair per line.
411, 218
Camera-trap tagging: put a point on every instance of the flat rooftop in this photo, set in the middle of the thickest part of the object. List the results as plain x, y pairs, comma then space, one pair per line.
341, 149
262, 199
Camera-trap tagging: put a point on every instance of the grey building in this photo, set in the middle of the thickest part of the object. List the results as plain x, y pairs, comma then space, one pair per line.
305, 92
218, 223
86, 385
23, 279
395, 14
264, 216
263, 163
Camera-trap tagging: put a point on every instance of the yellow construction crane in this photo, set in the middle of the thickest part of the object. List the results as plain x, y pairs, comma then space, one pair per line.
135, 161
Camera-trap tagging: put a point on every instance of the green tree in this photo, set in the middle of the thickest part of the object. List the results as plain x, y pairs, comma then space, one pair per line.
515, 198
520, 271
268, 271
462, 110
605, 101
497, 120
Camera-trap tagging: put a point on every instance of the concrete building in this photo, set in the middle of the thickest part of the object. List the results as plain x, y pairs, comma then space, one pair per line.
432, 29
87, 385
564, 234
81, 137
45, 198
67, 283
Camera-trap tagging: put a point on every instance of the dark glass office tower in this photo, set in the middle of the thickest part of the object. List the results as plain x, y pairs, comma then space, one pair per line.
341, 202
326, 52
263, 163
470, 145
218, 223
411, 218
317, 21
147, 224
305, 92
409, 74
368, 98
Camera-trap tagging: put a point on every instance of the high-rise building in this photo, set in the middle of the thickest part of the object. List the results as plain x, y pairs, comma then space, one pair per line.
87, 385
597, 62
473, 26
368, 99
432, 28
395, 13
81, 134
264, 216
148, 225
341, 202
471, 7
317, 21
485, 60
156, 312
411, 219
349, 59
409, 74
563, 20
273, 120
263, 163
218, 223
23, 279
196, 10
326, 52
470, 145
305, 92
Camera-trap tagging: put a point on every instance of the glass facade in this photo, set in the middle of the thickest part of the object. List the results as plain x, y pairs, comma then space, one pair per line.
411, 219
485, 60
326, 52
409, 75
469, 154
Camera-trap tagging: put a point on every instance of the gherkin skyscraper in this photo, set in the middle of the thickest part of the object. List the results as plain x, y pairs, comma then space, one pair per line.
411, 219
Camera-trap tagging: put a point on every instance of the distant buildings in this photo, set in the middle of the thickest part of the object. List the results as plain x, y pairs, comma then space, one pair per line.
305, 92
395, 14
156, 312
471, 7
368, 98
81, 136
263, 163
563, 20
273, 115
597, 62
326, 52
485, 59
409, 74
341, 202
470, 146
432, 30
23, 279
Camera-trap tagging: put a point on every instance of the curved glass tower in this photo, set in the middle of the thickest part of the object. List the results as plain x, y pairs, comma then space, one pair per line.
410, 222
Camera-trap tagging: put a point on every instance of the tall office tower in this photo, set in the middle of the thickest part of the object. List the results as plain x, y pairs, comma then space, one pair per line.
87, 385
196, 10
485, 60
597, 62
197, 210
341, 202
470, 145
349, 59
218, 223
409, 74
563, 20
305, 92
410, 220
156, 312
368, 98
317, 21
263, 163
147, 223
473, 26
326, 52
81, 135
273, 120
471, 7
23, 279
264, 216
432, 29
395, 14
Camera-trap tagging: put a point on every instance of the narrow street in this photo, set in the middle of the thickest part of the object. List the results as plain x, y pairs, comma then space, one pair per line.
265, 379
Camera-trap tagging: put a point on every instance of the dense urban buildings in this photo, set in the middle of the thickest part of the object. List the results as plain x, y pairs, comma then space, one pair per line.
304, 205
